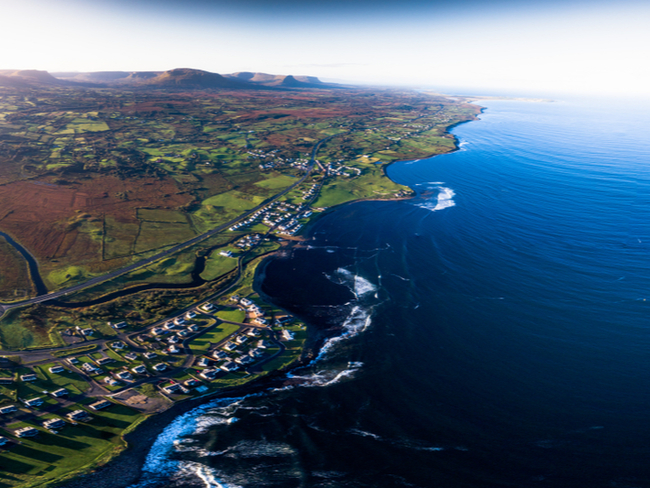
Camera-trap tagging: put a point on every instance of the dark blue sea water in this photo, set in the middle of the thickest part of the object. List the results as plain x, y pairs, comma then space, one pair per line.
495, 329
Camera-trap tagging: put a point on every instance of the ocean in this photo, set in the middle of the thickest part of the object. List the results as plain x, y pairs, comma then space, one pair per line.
491, 332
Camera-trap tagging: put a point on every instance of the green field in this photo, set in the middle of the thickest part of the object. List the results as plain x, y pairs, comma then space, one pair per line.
48, 457
277, 183
219, 333
234, 315
217, 265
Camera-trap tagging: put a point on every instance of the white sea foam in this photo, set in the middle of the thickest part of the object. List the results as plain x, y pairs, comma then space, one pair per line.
445, 200
324, 378
357, 284
355, 323
206, 474
198, 420
256, 449
364, 433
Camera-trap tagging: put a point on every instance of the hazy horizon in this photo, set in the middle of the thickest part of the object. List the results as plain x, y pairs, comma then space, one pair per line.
551, 47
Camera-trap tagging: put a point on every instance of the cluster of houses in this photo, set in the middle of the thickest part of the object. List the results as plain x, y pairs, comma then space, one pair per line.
230, 358
283, 215
311, 192
55, 424
116, 378
248, 241
338, 169
301, 164
178, 328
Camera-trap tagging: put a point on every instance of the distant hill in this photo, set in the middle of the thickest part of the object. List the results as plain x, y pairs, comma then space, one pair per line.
186, 77
279, 80
97, 76
27, 78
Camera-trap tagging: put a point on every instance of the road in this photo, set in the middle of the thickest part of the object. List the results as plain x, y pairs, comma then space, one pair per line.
4, 307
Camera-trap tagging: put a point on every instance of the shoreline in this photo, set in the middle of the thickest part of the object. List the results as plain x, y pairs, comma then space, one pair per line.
125, 468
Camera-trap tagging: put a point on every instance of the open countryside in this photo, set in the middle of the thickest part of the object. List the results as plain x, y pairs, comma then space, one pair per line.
145, 214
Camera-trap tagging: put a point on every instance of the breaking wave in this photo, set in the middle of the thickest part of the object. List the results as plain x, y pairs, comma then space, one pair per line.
326, 377
358, 321
357, 284
444, 200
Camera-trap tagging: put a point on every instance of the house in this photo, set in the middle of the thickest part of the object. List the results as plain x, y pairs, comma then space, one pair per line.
140, 369
3, 440
6, 381
243, 360
131, 356
61, 392
57, 369
179, 320
220, 355
173, 340
193, 328
54, 424
254, 309
87, 332
183, 333
72, 360
204, 362
253, 332
169, 325
124, 375
78, 415
26, 432
103, 361
206, 307
191, 383
160, 367
118, 345
283, 319
173, 349
287, 335
260, 321
29, 377
190, 315
241, 339
208, 374
119, 325
234, 298
246, 302
90, 368
7, 409
157, 331
226, 254
229, 366
150, 355
255, 353
34, 402
171, 388
230, 346
100, 405
111, 381
262, 344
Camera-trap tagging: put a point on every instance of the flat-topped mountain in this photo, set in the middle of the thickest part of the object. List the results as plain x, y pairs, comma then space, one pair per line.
186, 77
27, 78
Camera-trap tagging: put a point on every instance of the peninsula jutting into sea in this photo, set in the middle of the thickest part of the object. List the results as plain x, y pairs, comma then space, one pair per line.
135, 211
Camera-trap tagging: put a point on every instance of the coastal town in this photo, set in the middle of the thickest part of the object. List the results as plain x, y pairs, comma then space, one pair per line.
144, 371
129, 281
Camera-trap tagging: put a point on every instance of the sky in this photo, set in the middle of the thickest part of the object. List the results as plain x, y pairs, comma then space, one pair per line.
570, 46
